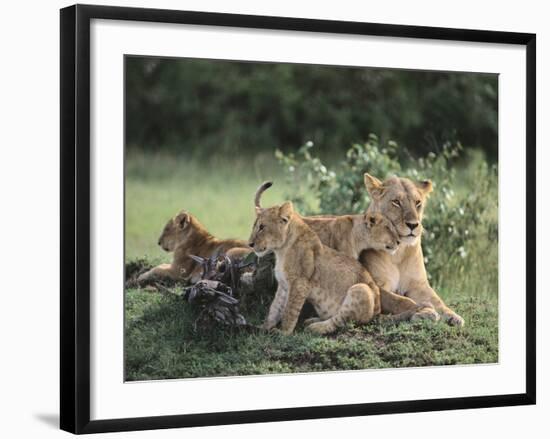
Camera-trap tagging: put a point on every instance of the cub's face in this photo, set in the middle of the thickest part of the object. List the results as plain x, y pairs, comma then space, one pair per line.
176, 231
381, 233
402, 202
270, 230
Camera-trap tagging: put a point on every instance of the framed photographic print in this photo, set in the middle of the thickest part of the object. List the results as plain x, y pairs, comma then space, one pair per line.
268, 218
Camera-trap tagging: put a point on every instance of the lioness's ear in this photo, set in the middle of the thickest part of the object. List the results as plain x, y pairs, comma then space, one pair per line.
286, 210
425, 187
373, 185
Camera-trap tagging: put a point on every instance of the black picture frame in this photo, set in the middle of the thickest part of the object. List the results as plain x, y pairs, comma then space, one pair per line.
75, 217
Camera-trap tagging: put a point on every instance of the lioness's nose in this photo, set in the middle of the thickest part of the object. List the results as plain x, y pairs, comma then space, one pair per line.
412, 226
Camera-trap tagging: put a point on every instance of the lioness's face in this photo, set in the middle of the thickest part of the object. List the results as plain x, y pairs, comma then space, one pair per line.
380, 233
402, 202
270, 230
176, 231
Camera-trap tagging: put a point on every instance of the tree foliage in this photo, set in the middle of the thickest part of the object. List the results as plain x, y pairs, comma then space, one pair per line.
205, 106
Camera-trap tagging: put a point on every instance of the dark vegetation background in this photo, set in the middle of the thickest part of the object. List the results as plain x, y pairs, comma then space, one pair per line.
235, 107
202, 135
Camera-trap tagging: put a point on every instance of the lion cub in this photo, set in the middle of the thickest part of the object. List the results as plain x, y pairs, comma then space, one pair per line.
338, 286
185, 235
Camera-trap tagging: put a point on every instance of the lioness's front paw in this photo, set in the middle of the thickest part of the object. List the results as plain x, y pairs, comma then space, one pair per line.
426, 313
453, 319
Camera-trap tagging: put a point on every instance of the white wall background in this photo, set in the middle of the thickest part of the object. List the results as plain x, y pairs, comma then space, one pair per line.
29, 206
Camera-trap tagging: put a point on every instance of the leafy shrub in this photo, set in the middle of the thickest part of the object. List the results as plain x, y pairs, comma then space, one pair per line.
461, 225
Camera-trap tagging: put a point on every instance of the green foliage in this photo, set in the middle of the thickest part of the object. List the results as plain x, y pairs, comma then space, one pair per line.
461, 217
212, 106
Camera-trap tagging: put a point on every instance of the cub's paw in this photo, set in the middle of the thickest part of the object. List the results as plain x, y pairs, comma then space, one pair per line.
145, 279
311, 320
268, 326
321, 327
425, 312
280, 331
453, 319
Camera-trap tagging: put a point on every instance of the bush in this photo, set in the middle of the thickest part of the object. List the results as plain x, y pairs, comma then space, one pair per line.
461, 217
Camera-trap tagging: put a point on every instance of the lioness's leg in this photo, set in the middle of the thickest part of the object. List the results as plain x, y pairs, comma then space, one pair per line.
276, 309
160, 271
359, 305
404, 308
422, 312
425, 293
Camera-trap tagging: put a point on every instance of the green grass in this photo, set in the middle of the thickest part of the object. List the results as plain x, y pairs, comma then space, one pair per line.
161, 340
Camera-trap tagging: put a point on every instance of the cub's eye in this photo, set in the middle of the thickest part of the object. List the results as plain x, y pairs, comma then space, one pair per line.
261, 227
396, 203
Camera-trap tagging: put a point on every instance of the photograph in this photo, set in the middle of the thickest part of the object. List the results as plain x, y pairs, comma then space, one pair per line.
284, 218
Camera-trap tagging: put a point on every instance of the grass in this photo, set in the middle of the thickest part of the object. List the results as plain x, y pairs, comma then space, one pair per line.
160, 335
162, 343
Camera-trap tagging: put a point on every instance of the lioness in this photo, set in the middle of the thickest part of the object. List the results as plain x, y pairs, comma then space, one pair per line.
351, 235
185, 235
402, 201
338, 286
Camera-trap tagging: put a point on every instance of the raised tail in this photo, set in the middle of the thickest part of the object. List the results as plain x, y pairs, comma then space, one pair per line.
265, 185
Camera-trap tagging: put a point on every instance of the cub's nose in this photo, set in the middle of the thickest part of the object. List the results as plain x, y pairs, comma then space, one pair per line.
412, 226
251, 244
158, 242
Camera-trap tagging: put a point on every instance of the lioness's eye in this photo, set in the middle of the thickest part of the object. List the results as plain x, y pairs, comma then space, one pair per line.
418, 204
396, 203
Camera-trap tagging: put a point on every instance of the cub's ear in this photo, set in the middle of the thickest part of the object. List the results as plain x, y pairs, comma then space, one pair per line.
371, 219
258, 210
198, 259
286, 210
182, 220
374, 186
425, 186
